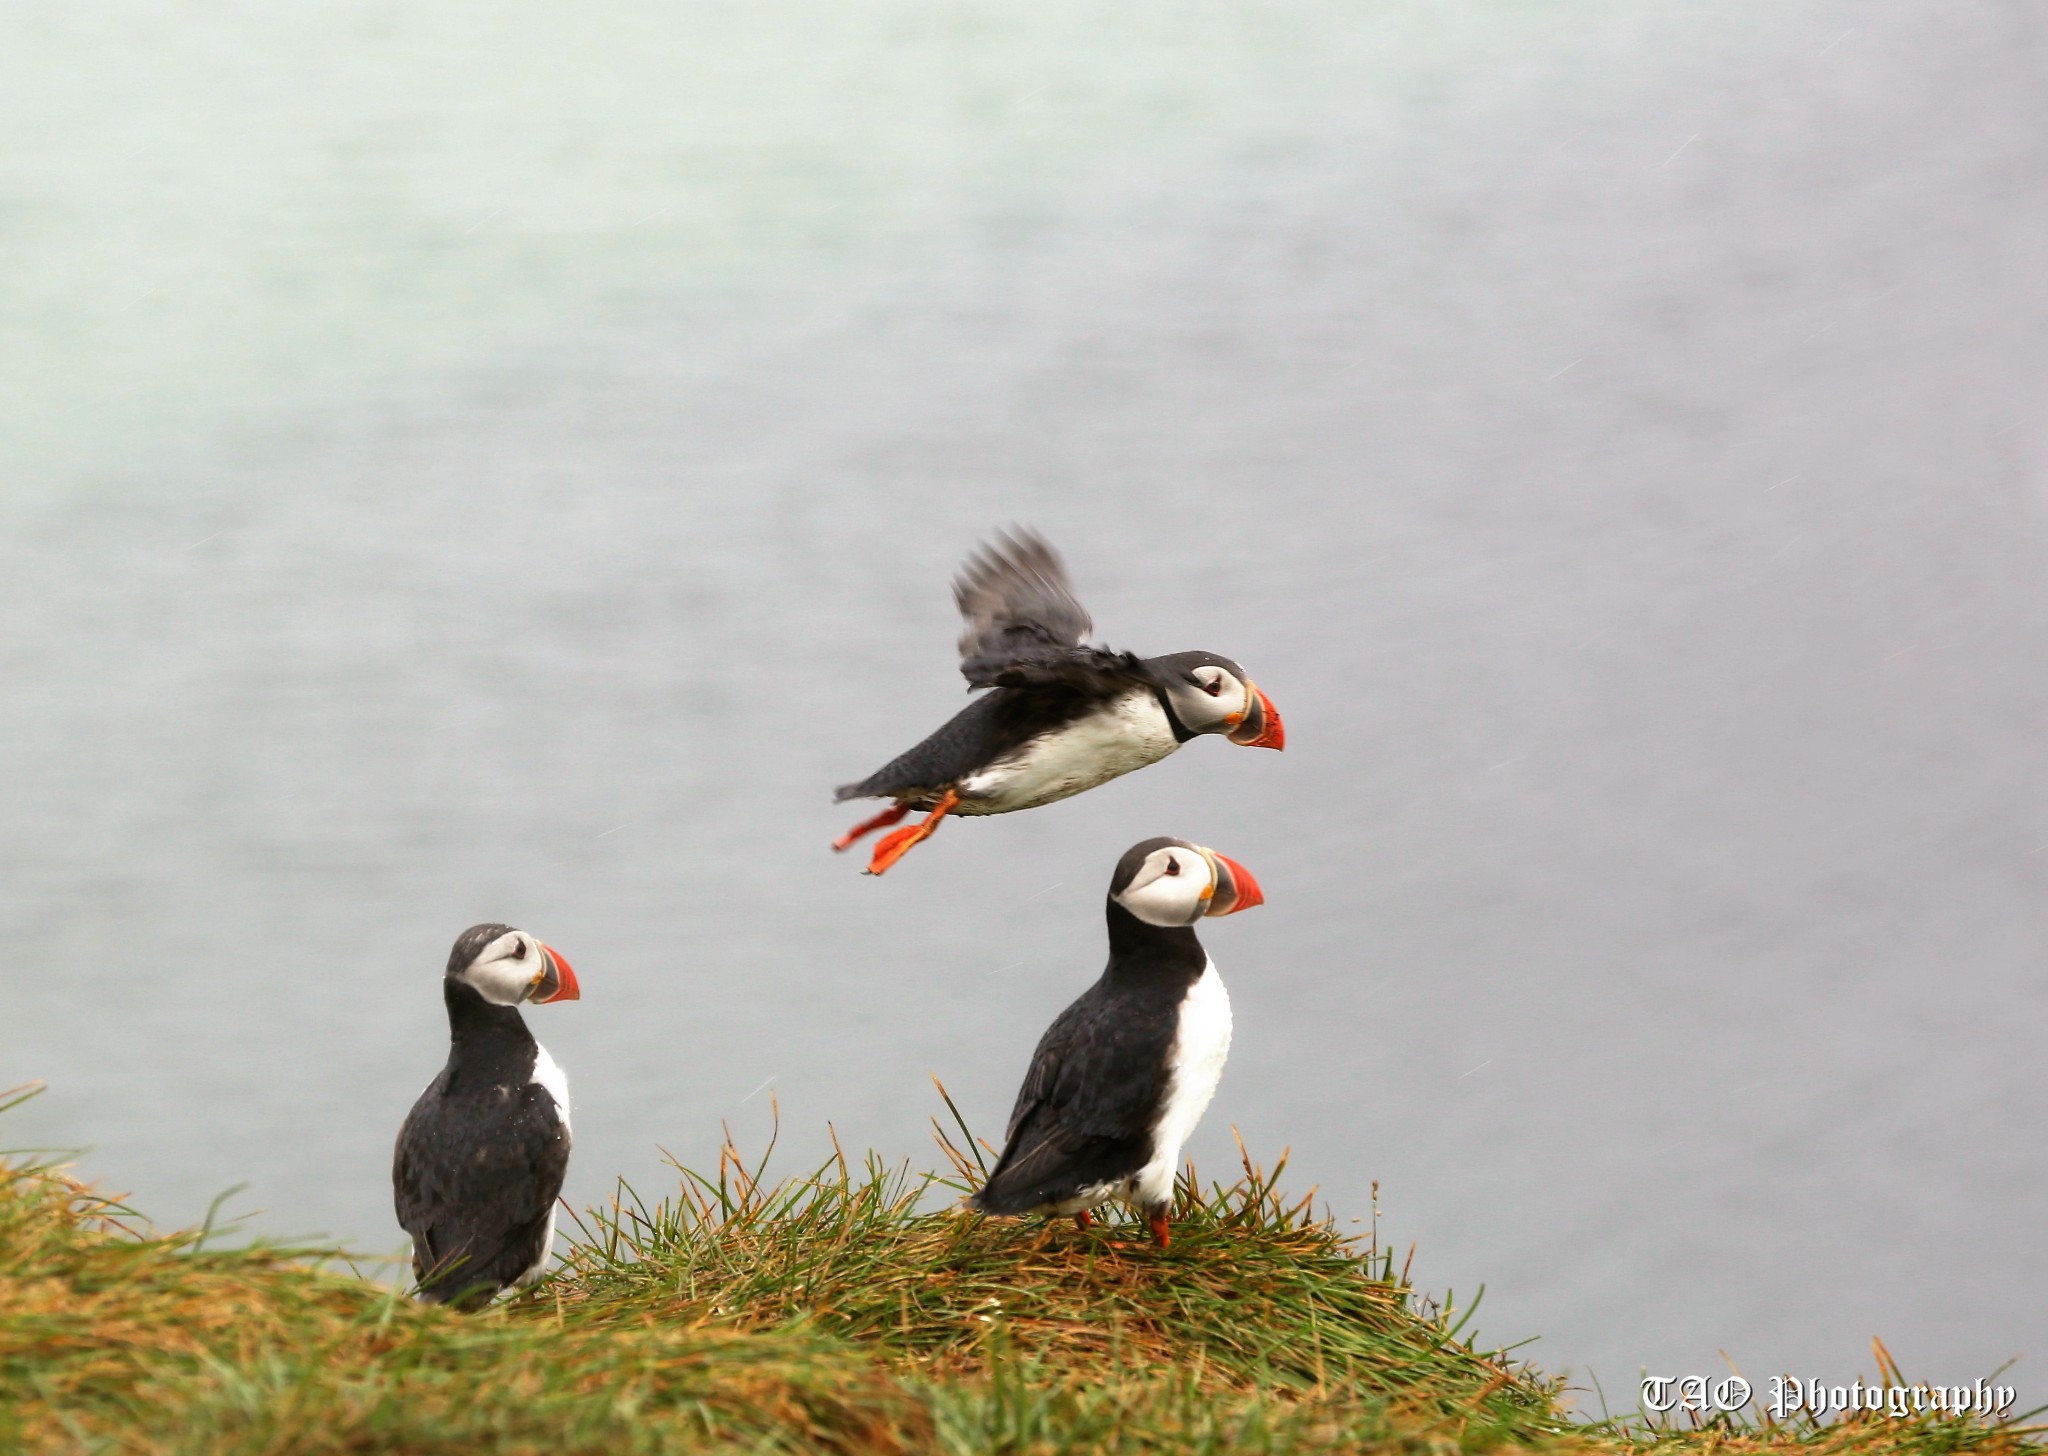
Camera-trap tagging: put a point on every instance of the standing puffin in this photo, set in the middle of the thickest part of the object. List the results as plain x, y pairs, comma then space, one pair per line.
1061, 716
482, 1153
1122, 1077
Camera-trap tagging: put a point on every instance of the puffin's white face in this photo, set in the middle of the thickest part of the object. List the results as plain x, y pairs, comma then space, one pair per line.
514, 968
1215, 702
1214, 697
1180, 883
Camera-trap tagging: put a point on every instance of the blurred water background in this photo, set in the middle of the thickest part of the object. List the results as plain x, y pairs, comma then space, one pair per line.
505, 462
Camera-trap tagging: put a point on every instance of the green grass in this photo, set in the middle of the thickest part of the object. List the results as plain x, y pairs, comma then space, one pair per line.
853, 1310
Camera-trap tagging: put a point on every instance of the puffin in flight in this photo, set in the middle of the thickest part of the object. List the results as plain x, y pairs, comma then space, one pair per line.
1060, 716
482, 1153
1123, 1075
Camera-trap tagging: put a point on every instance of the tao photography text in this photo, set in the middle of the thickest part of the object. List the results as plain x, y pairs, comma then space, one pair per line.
1789, 1395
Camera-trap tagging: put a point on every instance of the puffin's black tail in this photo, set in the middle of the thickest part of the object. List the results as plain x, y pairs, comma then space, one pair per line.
1007, 1193
989, 1199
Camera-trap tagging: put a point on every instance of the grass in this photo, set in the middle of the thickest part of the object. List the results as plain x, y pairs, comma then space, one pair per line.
853, 1310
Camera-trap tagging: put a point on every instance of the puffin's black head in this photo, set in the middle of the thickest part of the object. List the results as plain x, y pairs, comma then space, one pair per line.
1212, 694
1172, 882
507, 966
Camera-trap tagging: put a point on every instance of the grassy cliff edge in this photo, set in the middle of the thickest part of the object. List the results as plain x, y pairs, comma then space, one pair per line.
834, 1312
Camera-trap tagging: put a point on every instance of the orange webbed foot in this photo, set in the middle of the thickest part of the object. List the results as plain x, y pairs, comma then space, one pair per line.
866, 827
893, 846
1159, 1234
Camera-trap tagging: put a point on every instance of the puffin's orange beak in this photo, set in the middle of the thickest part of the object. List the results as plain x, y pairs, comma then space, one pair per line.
557, 980
1235, 888
1261, 727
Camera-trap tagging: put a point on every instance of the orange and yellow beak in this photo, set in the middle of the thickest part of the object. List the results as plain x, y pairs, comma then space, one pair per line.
557, 981
1260, 727
1232, 887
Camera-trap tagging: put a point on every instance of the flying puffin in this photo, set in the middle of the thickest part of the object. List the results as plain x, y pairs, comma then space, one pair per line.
1123, 1075
482, 1153
1061, 716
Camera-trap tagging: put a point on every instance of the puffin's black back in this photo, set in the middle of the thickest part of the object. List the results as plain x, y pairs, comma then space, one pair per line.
998, 724
481, 1157
1087, 1110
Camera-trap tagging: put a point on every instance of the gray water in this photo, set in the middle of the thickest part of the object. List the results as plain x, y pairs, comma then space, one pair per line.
507, 465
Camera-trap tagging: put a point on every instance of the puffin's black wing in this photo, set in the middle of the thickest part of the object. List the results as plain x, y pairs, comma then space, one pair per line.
472, 1181
1025, 627
1025, 637
1084, 1115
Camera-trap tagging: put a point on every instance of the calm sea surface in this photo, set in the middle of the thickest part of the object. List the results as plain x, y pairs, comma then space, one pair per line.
506, 463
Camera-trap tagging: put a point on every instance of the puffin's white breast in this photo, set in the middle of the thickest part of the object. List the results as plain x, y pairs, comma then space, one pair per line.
1195, 1065
547, 1073
550, 1076
1123, 734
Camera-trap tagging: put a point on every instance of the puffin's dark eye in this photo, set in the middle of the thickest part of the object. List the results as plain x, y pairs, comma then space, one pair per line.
518, 950
1173, 867
1213, 686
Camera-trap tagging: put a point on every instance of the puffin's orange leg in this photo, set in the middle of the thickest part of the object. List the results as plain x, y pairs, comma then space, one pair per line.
1082, 1220
868, 826
1158, 1222
894, 846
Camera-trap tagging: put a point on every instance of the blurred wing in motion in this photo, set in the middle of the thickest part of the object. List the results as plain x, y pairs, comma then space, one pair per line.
1024, 625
